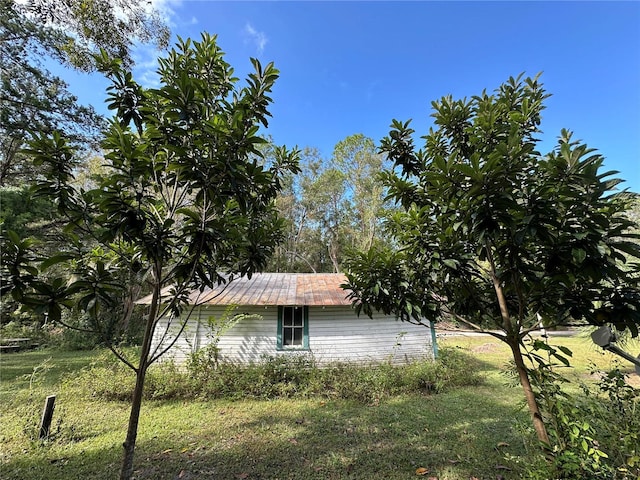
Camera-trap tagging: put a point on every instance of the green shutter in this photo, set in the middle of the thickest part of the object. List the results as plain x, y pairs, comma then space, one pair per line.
279, 331
305, 328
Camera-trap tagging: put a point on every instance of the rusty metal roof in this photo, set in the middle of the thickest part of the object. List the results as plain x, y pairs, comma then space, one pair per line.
270, 289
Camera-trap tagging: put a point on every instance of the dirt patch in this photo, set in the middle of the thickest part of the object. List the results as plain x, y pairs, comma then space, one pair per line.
485, 348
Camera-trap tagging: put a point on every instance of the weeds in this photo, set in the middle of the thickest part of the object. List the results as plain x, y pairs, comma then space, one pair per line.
205, 377
593, 434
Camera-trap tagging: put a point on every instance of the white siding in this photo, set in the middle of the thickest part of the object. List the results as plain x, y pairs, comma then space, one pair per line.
336, 334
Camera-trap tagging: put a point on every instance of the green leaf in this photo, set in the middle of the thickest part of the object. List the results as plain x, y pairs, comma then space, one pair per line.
56, 259
578, 255
451, 263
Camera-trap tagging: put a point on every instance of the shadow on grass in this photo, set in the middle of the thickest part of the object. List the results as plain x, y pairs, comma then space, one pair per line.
345, 440
462, 433
454, 435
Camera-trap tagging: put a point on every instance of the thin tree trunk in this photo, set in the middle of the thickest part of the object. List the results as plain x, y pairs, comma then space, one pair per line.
532, 403
513, 340
136, 402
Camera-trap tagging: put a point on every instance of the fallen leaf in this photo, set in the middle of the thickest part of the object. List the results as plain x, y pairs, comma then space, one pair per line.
293, 440
181, 474
242, 476
502, 444
421, 471
184, 450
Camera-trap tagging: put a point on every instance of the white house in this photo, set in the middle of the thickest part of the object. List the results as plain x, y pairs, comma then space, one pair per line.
292, 314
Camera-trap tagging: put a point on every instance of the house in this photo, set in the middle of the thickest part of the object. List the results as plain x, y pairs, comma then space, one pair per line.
291, 314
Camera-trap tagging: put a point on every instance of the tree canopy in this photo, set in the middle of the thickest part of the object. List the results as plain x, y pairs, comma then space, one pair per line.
186, 201
496, 234
69, 32
333, 205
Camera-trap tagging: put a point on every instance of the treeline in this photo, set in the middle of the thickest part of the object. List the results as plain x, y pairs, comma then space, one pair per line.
333, 205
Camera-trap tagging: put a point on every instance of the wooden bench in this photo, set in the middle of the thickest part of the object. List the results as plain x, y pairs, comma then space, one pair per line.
11, 345
9, 348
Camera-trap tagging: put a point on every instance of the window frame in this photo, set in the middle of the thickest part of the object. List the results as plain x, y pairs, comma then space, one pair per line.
305, 329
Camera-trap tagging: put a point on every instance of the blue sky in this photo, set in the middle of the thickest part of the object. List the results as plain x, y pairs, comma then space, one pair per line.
352, 67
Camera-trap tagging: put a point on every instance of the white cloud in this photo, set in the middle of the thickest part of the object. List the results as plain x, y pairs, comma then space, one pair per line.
146, 64
146, 56
166, 9
259, 38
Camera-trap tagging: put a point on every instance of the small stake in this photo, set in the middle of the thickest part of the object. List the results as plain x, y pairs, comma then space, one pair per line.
47, 416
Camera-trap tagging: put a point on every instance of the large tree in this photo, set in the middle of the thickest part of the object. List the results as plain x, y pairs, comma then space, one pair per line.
334, 205
357, 158
186, 202
68, 32
497, 234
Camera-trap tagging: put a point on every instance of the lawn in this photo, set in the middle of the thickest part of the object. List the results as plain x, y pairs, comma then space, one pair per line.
468, 432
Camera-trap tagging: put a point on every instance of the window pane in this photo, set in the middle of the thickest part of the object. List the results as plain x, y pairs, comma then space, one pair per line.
287, 316
287, 335
293, 326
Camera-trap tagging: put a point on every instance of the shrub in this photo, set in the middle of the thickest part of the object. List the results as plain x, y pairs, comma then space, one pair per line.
452, 369
594, 434
276, 377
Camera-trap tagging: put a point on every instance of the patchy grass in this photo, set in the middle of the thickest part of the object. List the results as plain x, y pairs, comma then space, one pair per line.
494, 356
465, 432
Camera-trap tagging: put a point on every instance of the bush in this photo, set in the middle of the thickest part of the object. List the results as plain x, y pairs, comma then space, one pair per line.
276, 377
594, 434
26, 329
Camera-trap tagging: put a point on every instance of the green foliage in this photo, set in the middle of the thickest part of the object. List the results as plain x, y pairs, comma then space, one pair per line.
185, 195
34, 100
186, 200
205, 360
482, 207
592, 436
334, 205
280, 377
23, 214
495, 234
76, 29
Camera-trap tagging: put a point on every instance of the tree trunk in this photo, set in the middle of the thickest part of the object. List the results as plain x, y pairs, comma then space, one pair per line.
513, 340
132, 431
523, 375
136, 402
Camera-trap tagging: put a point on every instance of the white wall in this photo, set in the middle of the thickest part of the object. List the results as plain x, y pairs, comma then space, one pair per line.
336, 334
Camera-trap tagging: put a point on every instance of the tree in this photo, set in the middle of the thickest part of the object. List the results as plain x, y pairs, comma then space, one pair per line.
495, 234
73, 31
69, 32
357, 159
333, 205
186, 201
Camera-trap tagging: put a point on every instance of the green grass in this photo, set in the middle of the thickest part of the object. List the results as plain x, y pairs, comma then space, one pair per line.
462, 433
494, 356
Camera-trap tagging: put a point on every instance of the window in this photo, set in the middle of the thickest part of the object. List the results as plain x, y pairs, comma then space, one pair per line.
293, 328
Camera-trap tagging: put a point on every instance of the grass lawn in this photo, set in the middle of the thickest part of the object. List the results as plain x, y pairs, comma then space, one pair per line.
469, 432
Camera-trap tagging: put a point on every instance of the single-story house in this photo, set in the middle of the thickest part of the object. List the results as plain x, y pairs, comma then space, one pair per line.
290, 314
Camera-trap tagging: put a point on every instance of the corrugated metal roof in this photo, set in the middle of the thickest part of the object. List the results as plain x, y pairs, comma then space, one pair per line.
270, 289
